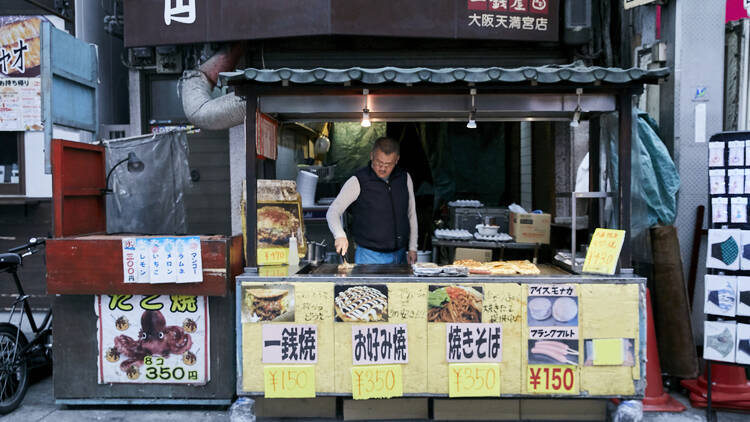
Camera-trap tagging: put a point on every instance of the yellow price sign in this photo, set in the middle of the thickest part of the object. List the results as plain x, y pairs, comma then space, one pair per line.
273, 256
552, 379
604, 251
377, 382
289, 381
474, 380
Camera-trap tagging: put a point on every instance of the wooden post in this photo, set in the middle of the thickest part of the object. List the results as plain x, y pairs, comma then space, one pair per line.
251, 101
625, 107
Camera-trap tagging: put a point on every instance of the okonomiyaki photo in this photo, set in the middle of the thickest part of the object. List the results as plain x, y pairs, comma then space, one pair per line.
268, 303
277, 223
361, 303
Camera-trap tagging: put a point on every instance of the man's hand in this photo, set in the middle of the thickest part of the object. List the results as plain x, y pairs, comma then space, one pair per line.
411, 257
342, 245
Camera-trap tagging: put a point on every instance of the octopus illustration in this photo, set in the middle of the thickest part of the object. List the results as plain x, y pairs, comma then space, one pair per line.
154, 339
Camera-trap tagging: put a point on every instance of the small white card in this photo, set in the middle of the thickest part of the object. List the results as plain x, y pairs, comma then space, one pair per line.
155, 261
142, 258
129, 260
718, 181
737, 153
195, 262
716, 154
739, 209
719, 340
747, 153
719, 211
720, 295
736, 181
170, 273
723, 251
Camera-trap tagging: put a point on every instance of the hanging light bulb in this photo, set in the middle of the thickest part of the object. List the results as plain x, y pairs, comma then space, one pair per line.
472, 124
365, 111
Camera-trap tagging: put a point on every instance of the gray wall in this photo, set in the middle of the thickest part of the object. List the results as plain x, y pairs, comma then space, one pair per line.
695, 32
207, 203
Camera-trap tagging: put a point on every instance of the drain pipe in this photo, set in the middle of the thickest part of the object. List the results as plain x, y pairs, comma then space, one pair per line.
201, 109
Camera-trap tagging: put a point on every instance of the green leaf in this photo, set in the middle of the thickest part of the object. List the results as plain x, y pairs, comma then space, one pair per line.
437, 298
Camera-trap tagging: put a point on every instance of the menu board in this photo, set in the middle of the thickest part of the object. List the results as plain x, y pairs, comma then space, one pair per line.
457, 340
20, 104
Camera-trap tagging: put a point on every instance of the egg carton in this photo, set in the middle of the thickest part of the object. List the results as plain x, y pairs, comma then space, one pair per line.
453, 234
465, 203
500, 237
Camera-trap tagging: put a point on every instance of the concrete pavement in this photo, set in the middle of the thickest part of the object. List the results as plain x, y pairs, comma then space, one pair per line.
39, 406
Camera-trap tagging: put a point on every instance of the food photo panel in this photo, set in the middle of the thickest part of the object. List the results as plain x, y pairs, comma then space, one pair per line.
456, 303
361, 302
267, 303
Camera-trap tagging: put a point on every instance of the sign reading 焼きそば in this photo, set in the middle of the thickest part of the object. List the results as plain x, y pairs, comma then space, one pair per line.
160, 339
469, 342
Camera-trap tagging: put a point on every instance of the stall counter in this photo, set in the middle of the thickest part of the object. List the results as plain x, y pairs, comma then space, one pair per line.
585, 331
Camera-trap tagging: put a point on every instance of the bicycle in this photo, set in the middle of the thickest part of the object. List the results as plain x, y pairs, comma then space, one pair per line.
18, 356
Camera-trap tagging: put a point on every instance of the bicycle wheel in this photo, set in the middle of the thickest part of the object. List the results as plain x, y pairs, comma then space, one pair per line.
14, 379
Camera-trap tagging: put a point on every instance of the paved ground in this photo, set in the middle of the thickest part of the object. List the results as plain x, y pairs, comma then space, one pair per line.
39, 406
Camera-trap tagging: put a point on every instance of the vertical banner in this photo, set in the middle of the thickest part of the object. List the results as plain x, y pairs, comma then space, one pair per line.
153, 339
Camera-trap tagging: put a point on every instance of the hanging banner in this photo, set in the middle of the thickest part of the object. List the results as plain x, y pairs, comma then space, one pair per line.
153, 339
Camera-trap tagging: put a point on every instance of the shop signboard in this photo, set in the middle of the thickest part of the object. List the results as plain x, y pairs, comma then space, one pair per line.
20, 85
380, 340
190, 21
162, 260
158, 339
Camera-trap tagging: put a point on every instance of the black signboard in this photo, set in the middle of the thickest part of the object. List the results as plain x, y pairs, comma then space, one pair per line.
157, 22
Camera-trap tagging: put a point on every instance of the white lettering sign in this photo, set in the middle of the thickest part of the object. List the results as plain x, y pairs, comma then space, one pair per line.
183, 11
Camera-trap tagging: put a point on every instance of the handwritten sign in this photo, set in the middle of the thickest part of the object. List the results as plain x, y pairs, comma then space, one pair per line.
273, 256
377, 382
474, 380
290, 343
604, 251
552, 379
162, 260
289, 381
474, 342
380, 344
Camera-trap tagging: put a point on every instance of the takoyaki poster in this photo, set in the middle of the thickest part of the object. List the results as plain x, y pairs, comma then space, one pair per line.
154, 339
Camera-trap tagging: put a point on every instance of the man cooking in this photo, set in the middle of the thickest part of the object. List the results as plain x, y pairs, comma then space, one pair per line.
383, 209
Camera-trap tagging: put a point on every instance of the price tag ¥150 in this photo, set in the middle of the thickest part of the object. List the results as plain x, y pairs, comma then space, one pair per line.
377, 382
474, 380
552, 379
289, 381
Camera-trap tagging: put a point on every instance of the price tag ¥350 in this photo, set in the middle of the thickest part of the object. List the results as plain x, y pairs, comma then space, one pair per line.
474, 380
552, 379
377, 382
289, 381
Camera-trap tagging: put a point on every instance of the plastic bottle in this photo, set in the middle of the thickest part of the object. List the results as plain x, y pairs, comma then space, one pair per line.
629, 411
293, 254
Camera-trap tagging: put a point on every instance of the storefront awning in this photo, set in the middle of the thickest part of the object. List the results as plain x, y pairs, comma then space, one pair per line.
548, 75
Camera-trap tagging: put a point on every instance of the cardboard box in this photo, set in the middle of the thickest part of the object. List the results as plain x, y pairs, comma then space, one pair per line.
481, 255
530, 228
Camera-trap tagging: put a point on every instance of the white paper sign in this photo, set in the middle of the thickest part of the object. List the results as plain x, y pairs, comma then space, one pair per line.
142, 255
290, 343
153, 339
129, 260
720, 295
380, 344
700, 122
723, 251
719, 340
471, 342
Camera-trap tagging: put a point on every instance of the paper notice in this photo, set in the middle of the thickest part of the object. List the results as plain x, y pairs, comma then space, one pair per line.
700, 122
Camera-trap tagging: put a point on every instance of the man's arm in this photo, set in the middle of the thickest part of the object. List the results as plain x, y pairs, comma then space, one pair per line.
413, 225
349, 193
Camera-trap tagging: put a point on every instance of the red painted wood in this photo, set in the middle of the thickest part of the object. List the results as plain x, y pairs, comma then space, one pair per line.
93, 265
77, 180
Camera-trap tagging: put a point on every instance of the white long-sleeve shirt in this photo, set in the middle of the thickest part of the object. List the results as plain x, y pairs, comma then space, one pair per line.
350, 192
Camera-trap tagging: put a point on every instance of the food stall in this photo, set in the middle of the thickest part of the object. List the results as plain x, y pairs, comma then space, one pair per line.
506, 329
130, 331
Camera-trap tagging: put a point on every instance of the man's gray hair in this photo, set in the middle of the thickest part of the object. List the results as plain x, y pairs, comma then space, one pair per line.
386, 145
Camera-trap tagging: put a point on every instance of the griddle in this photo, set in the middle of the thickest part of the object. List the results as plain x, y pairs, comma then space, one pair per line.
363, 269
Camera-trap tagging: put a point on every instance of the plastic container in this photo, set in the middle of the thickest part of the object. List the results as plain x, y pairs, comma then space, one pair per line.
487, 230
424, 256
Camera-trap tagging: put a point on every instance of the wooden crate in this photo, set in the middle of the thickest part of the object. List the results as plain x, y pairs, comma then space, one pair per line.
92, 264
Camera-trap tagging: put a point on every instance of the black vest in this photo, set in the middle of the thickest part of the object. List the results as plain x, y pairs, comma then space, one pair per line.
381, 212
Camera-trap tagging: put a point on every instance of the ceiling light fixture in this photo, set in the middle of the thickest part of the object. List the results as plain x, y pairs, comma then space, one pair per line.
472, 124
578, 110
365, 111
